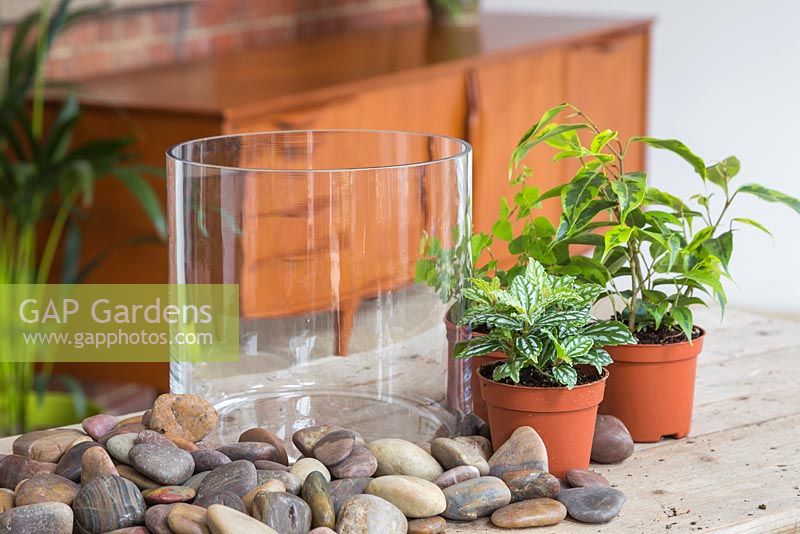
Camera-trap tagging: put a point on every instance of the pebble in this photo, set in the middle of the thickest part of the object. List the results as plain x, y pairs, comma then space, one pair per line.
483, 444
182, 443
238, 477
427, 525
343, 489
270, 486
107, 503
225, 498
264, 435
195, 480
316, 492
305, 438
523, 450
451, 453
69, 466
401, 457
132, 428
131, 419
584, 478
96, 462
334, 447
152, 437
98, 426
208, 460
612, 442
187, 519
267, 465
368, 514
531, 484
168, 495
45, 445
470, 425
155, 519
475, 498
119, 447
284, 512
140, 481
456, 475
250, 451
415, 497
531, 513
41, 518
321, 530
304, 466
290, 481
166, 465
46, 487
7, 497
15, 468
130, 530
188, 416
592, 505
224, 520
360, 463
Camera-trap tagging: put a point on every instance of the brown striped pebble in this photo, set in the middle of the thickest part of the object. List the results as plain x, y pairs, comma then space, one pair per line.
15, 468
187, 519
46, 487
530, 513
108, 503
141, 481
250, 451
168, 495
267, 436
96, 462
45, 445
456, 475
427, 525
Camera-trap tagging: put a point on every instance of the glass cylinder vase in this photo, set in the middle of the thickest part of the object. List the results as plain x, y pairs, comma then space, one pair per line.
348, 247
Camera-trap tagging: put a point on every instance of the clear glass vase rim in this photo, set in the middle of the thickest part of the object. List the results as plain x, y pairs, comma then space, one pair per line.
466, 149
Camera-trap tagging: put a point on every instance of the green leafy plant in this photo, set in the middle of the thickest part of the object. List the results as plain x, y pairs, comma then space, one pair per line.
46, 183
658, 255
541, 322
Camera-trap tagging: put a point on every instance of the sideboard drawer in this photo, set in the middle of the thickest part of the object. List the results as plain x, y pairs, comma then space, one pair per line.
289, 285
295, 234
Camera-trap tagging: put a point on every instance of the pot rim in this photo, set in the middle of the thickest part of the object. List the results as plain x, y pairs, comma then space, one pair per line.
698, 338
602, 379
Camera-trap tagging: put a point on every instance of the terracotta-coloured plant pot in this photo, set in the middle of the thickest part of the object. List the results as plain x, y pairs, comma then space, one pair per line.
478, 404
458, 371
651, 388
463, 387
563, 418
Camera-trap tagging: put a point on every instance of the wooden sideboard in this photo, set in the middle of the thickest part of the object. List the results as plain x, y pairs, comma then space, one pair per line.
486, 85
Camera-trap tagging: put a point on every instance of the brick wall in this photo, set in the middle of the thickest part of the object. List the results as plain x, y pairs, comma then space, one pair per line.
176, 31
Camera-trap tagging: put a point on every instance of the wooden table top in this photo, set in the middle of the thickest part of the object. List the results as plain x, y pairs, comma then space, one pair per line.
263, 79
739, 469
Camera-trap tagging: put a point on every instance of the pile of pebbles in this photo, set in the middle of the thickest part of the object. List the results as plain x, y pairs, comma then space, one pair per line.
157, 473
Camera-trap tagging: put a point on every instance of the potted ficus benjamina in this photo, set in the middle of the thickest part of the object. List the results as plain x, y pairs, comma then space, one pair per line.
655, 255
552, 377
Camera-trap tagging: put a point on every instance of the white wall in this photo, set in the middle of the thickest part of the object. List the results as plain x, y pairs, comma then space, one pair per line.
725, 79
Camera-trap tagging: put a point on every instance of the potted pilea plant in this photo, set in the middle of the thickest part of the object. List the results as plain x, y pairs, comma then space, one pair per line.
552, 378
655, 255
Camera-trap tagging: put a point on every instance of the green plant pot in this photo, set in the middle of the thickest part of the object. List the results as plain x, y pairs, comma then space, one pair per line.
56, 409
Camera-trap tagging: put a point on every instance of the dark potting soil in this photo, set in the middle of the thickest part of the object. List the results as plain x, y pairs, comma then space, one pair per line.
664, 335
532, 378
